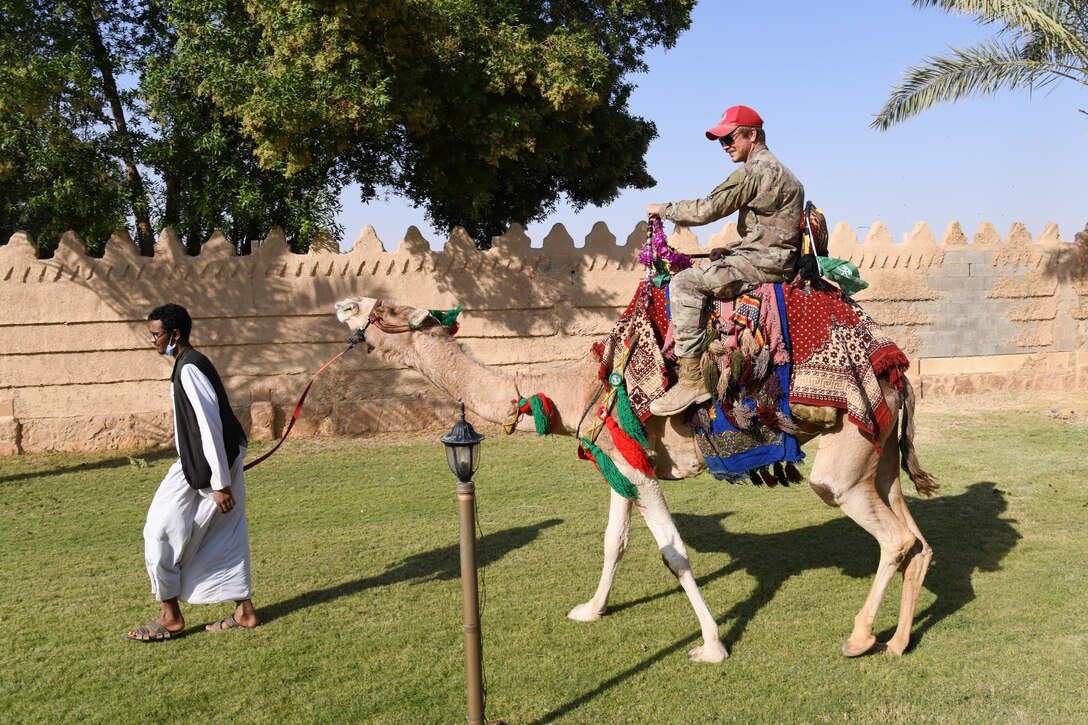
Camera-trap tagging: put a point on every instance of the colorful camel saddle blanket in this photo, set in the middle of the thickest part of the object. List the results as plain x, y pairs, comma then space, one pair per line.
839, 353
640, 334
776, 346
747, 430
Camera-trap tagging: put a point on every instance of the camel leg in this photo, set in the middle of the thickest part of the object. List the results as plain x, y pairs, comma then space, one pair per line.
844, 474
655, 512
615, 544
916, 563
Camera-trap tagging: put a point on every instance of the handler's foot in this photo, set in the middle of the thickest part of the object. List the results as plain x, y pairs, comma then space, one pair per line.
228, 623
244, 617
155, 631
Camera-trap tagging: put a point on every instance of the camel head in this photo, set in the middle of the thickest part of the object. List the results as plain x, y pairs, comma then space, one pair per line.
385, 327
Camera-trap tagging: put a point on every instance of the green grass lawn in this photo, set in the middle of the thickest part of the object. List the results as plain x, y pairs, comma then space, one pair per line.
356, 576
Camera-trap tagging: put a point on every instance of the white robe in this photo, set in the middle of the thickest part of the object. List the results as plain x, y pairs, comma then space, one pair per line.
192, 551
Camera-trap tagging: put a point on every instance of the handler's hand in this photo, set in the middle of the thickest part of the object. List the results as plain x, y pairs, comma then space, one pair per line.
655, 210
718, 252
224, 500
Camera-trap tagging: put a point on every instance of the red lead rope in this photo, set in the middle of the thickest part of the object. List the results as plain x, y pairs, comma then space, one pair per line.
298, 407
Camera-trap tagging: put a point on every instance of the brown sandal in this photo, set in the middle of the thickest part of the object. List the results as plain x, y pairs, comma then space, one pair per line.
229, 623
152, 632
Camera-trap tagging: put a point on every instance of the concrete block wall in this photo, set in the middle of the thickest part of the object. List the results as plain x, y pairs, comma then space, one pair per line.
77, 371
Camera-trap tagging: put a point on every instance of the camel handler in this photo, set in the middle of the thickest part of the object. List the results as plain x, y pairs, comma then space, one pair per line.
769, 199
196, 539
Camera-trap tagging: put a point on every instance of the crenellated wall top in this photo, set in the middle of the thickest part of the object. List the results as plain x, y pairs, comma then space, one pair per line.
121, 257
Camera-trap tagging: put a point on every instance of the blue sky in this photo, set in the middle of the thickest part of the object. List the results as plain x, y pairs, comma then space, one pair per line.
818, 73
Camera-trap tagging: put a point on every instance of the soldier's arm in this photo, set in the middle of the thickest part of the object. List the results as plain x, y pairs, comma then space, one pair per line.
740, 188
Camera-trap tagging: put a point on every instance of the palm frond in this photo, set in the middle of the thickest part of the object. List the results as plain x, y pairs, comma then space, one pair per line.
980, 70
1060, 20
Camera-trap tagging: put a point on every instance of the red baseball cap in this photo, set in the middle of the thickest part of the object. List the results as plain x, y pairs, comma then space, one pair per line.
734, 116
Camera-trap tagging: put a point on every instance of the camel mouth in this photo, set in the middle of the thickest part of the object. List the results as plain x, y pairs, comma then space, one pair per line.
355, 313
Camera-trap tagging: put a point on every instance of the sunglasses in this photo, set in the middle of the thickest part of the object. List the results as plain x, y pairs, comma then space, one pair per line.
730, 138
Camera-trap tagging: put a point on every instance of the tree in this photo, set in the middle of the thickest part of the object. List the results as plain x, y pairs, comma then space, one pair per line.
100, 119
56, 164
1039, 42
484, 112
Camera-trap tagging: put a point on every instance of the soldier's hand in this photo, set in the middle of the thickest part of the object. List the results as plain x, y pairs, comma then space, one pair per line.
717, 253
655, 210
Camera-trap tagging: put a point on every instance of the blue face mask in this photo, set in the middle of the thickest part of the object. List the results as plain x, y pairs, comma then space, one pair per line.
170, 348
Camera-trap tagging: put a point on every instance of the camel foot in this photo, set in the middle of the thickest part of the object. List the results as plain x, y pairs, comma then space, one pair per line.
893, 647
585, 613
708, 652
859, 646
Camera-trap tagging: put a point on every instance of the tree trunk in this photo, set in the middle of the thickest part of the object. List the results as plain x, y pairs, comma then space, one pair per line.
145, 237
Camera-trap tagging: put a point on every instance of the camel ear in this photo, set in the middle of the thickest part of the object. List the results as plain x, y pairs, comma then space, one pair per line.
420, 319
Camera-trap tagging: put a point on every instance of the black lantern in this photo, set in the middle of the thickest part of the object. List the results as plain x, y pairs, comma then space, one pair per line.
462, 448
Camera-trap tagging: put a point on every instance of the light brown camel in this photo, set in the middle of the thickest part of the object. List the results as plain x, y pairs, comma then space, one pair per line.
847, 472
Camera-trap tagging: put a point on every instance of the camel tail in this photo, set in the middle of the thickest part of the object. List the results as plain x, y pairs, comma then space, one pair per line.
924, 483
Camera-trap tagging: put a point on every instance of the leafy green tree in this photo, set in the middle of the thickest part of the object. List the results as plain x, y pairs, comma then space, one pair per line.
57, 168
93, 96
484, 112
1038, 42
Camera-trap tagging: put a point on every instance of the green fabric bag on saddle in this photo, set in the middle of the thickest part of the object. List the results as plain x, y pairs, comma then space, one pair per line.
843, 273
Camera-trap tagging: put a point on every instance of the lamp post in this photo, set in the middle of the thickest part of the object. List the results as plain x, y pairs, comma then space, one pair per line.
463, 455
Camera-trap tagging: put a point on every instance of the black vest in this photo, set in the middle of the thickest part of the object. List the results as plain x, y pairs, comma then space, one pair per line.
198, 472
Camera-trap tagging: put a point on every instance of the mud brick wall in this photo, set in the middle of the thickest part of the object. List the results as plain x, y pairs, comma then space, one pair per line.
77, 371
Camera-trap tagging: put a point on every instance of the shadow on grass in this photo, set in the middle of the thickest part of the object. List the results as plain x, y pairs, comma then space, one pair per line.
109, 463
435, 565
967, 534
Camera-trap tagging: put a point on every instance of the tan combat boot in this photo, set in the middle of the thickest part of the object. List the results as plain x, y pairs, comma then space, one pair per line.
689, 389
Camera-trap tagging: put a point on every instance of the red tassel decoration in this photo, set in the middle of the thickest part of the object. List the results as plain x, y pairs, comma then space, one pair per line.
629, 448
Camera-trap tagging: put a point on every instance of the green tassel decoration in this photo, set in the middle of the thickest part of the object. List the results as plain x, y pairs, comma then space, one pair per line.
710, 376
619, 482
540, 418
447, 317
630, 423
736, 366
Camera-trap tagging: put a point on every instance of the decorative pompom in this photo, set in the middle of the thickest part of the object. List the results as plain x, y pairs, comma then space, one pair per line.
628, 418
762, 364
780, 474
793, 474
786, 424
767, 416
699, 418
808, 267
772, 388
723, 378
742, 415
447, 318
754, 477
768, 477
736, 366
711, 375
615, 478
628, 447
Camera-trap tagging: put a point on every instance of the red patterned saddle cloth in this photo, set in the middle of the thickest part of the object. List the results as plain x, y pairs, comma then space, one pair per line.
837, 352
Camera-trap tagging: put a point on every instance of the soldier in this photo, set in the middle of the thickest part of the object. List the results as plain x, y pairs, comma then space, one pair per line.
769, 200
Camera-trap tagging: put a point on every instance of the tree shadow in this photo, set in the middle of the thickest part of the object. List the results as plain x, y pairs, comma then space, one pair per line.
109, 463
436, 565
967, 533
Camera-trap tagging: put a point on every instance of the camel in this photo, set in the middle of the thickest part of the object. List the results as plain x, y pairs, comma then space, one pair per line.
847, 471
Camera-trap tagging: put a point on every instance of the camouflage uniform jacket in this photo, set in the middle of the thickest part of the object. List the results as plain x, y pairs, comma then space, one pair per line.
770, 200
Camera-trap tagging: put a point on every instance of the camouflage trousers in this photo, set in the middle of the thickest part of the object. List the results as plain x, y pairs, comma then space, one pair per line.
691, 288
